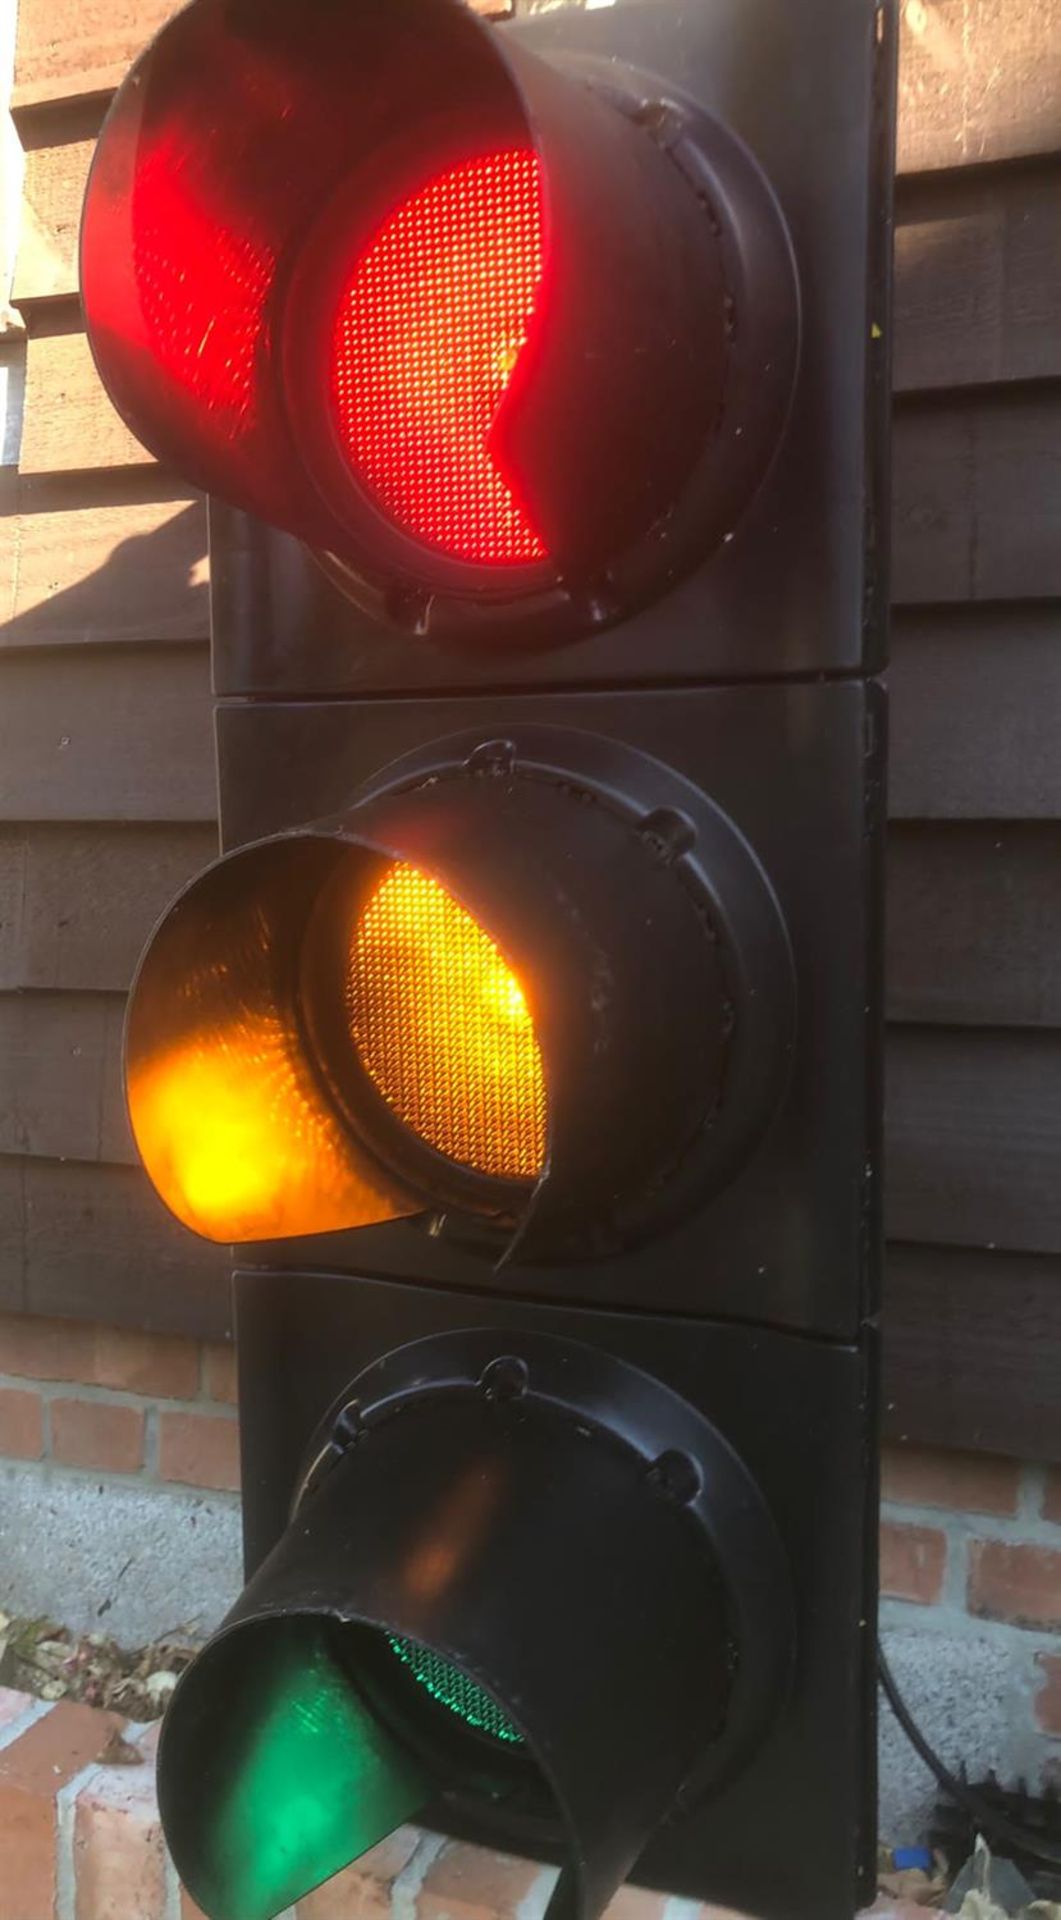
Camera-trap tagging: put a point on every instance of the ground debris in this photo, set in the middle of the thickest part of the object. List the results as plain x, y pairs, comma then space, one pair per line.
990, 1887
52, 1663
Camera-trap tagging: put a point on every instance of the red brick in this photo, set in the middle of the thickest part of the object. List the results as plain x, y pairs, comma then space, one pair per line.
45, 1349
219, 1374
363, 1891
92, 1433
469, 1883
99, 1356
1048, 1698
912, 1562
119, 1853
1016, 1582
967, 1482
32, 1770
201, 1449
21, 1424
161, 1365
1052, 1495
636, 1903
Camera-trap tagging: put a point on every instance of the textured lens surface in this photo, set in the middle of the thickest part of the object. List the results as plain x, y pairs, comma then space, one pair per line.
443, 1029
453, 1690
202, 288
429, 329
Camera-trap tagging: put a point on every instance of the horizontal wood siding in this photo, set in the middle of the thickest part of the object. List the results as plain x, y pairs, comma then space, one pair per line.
80, 565
107, 776
973, 1297
974, 923
86, 1241
114, 733
77, 899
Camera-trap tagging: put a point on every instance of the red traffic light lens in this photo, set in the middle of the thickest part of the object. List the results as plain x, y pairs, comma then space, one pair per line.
204, 328
505, 352
431, 324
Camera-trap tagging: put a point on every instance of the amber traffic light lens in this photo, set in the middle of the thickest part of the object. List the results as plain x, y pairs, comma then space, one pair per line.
443, 1030
230, 1128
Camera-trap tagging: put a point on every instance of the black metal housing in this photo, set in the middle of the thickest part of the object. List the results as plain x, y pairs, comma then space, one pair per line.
643, 408
749, 679
646, 935
788, 1236
657, 1542
778, 1819
800, 586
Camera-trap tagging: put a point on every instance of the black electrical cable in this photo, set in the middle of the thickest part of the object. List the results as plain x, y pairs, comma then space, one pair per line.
998, 1825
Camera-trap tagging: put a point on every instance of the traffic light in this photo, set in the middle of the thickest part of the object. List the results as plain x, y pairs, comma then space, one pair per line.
524, 1040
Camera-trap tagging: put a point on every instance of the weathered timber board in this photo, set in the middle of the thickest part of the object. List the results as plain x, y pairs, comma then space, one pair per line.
977, 497
69, 424
973, 1138
979, 80
90, 1242
978, 278
976, 695
77, 902
970, 1350
84, 563
118, 733
974, 923
60, 1068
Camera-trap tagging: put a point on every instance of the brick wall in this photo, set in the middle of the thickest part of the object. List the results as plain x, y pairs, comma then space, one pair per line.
80, 1840
971, 1549
110, 1402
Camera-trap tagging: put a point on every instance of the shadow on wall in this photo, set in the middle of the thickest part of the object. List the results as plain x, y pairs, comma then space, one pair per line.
148, 585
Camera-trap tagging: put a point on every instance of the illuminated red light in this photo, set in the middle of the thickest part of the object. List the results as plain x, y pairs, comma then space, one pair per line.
202, 289
430, 326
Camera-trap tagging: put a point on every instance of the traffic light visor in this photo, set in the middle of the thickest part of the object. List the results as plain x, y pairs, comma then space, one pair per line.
446, 1613
440, 1000
445, 310
253, 1111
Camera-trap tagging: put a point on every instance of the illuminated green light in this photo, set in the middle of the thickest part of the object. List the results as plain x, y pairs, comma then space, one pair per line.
309, 1782
453, 1690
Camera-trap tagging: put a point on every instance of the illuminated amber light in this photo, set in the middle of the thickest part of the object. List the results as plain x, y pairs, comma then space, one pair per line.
235, 1141
443, 1029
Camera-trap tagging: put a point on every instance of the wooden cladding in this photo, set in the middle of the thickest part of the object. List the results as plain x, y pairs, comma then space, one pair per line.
78, 570
69, 424
970, 1350
114, 734
976, 693
973, 923
107, 802
77, 900
978, 278
82, 1242
979, 80
68, 49
977, 495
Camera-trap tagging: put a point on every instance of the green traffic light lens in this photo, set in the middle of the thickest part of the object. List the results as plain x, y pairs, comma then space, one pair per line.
452, 1689
275, 1773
